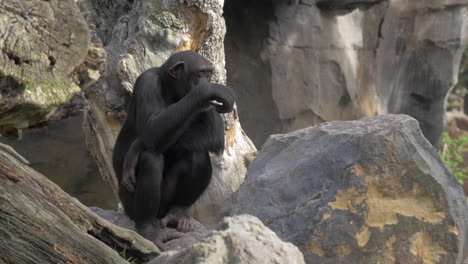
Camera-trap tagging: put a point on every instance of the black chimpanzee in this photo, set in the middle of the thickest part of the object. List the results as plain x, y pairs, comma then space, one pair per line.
161, 154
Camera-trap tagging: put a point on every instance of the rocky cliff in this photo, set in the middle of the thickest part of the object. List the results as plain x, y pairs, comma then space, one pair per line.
301, 63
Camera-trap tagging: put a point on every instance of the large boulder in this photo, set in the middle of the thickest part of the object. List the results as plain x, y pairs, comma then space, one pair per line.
366, 191
313, 61
240, 239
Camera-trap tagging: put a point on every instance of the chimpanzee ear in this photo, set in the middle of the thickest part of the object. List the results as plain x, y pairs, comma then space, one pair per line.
177, 70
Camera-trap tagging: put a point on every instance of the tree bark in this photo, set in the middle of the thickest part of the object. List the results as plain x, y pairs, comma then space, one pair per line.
40, 223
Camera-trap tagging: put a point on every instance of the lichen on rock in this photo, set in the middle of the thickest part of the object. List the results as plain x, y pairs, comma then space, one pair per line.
41, 43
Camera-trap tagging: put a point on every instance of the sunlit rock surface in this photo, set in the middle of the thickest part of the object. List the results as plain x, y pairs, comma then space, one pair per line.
239, 239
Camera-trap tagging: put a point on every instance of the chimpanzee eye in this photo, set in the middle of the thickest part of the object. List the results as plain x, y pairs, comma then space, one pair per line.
207, 74
204, 74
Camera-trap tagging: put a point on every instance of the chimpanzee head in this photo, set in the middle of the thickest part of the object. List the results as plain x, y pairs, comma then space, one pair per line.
183, 71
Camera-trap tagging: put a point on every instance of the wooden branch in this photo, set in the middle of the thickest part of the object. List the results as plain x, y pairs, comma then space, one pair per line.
40, 223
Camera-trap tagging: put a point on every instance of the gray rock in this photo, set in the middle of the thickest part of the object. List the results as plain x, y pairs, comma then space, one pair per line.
240, 239
189, 238
366, 191
115, 218
322, 60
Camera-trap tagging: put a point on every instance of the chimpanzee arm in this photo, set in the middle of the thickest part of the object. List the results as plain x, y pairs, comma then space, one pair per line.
130, 163
205, 134
159, 126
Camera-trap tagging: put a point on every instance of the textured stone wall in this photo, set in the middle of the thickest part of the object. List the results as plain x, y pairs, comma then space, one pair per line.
299, 63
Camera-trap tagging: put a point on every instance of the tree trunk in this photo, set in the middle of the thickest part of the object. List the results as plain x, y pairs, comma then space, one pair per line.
143, 36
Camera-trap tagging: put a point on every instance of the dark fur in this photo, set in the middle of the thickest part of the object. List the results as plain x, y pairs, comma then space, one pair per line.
165, 140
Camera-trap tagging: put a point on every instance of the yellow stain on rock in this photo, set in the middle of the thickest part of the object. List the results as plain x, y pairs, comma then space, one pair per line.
390, 241
387, 256
326, 216
197, 27
384, 211
387, 199
453, 229
363, 236
314, 247
348, 199
231, 134
425, 250
382, 198
342, 250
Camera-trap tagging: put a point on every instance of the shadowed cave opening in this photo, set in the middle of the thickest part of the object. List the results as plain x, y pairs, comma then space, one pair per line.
248, 66
59, 151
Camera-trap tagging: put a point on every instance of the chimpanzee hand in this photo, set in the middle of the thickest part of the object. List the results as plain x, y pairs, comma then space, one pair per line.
213, 94
222, 97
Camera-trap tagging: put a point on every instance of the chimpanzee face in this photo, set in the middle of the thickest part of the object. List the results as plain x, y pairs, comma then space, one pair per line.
187, 70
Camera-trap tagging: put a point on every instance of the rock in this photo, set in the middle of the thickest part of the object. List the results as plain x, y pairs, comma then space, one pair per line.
190, 238
239, 239
115, 218
313, 61
344, 5
366, 191
41, 43
143, 35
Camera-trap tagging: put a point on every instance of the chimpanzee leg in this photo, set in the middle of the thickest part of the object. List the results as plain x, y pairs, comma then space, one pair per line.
147, 197
193, 176
191, 185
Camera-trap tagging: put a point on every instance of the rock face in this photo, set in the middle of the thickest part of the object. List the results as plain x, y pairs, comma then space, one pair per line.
240, 239
41, 44
143, 35
312, 61
367, 191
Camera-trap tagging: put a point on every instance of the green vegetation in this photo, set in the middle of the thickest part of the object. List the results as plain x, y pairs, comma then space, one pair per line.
452, 154
455, 100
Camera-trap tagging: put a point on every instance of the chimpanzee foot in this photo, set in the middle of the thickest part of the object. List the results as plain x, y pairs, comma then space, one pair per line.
179, 217
166, 235
159, 236
160, 245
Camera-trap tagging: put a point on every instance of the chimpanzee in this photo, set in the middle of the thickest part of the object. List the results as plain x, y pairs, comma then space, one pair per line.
161, 154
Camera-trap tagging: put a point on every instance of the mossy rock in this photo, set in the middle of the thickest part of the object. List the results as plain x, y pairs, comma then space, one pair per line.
39, 50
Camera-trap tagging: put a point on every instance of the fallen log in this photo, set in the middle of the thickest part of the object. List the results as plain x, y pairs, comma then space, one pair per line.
40, 223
